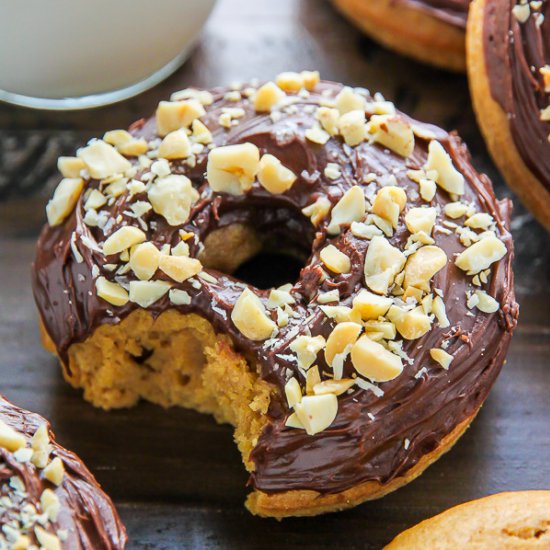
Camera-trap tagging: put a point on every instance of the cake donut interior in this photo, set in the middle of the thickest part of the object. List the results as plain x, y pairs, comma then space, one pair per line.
48, 498
343, 384
509, 75
431, 31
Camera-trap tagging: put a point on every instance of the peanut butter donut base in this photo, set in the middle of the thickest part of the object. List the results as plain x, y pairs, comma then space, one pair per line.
224, 386
507, 521
409, 30
495, 123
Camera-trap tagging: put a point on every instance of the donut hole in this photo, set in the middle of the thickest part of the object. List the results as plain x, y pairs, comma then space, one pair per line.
265, 248
267, 270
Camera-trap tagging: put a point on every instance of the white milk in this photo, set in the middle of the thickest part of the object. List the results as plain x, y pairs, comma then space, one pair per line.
55, 49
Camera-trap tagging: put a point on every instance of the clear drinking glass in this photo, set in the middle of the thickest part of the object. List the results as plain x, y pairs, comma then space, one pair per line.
73, 54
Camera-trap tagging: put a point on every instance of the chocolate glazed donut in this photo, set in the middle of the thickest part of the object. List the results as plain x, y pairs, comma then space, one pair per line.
509, 51
48, 496
342, 385
431, 31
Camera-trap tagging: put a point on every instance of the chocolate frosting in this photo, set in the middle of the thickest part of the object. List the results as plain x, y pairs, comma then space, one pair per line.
514, 53
374, 436
454, 12
87, 515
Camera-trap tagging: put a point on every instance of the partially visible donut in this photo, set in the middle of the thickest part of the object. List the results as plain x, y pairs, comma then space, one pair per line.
343, 385
431, 31
48, 498
509, 74
507, 521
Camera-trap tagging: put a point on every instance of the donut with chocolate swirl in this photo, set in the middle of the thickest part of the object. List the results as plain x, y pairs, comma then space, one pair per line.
342, 385
509, 74
431, 31
48, 498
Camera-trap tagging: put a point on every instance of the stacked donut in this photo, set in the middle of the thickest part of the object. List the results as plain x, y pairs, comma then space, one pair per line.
342, 385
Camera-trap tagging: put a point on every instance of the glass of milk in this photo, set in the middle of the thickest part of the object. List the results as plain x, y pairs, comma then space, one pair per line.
73, 54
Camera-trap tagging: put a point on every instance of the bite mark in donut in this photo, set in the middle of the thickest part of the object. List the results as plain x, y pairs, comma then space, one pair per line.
342, 385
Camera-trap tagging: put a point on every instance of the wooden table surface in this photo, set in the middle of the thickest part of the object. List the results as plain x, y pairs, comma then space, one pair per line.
175, 475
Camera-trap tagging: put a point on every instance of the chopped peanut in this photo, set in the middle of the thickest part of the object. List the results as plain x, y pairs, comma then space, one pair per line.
250, 317
374, 361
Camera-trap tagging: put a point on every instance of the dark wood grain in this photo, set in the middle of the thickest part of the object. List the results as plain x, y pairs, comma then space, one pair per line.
176, 475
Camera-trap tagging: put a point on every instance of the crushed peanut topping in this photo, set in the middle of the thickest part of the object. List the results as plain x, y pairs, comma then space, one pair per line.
481, 255
111, 292
179, 268
173, 115
9, 438
441, 357
232, 169
103, 160
350, 208
347, 100
290, 82
172, 197
70, 167
146, 293
318, 210
175, 145
389, 203
374, 361
423, 265
64, 200
122, 239
306, 349
335, 260
380, 229
329, 119
341, 339
448, 177
317, 135
250, 317
275, 177
55, 471
23, 517
382, 263
125, 143
316, 413
267, 97
351, 126
393, 132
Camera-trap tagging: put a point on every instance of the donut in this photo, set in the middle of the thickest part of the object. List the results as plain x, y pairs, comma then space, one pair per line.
48, 498
509, 76
430, 31
342, 385
508, 521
